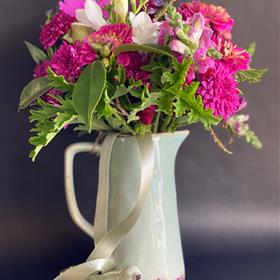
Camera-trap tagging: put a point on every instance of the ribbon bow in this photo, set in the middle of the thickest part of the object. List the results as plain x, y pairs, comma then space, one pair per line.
100, 265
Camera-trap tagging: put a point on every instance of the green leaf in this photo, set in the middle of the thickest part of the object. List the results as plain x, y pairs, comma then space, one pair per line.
120, 91
59, 82
157, 49
251, 49
120, 77
35, 89
88, 90
46, 131
37, 54
251, 75
189, 102
148, 99
97, 125
49, 121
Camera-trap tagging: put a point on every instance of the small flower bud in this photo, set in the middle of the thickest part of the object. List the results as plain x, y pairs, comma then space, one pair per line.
106, 62
105, 51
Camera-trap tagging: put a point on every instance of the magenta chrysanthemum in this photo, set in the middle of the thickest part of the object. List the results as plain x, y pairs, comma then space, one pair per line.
218, 89
216, 17
114, 34
52, 31
70, 59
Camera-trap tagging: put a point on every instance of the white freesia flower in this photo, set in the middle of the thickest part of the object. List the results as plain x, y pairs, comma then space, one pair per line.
144, 31
92, 15
121, 8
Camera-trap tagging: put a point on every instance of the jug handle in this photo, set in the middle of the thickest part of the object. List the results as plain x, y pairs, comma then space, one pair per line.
71, 198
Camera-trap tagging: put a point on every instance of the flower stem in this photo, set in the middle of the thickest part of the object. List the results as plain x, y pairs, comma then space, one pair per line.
156, 123
165, 123
219, 142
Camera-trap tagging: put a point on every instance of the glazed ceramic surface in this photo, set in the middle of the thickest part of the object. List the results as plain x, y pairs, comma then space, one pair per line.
154, 244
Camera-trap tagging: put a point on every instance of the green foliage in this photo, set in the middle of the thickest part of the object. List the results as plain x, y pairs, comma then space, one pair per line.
35, 89
88, 91
252, 139
59, 82
97, 125
112, 115
37, 54
49, 121
188, 102
184, 99
251, 75
251, 49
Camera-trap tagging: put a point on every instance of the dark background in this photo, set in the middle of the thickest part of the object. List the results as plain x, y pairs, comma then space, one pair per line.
229, 205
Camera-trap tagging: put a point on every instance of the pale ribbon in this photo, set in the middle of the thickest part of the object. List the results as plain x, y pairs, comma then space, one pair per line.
100, 264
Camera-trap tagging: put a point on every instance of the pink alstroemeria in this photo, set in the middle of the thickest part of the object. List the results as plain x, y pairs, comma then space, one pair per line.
202, 61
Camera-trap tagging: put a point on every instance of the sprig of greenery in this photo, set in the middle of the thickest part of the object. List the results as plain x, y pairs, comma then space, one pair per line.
251, 75
49, 121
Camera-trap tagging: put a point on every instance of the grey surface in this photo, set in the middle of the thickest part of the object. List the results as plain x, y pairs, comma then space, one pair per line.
229, 205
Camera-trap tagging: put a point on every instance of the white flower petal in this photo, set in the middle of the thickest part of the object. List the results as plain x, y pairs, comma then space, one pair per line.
82, 17
144, 31
94, 13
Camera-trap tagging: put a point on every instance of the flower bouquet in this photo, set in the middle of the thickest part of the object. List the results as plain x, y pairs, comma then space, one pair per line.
136, 70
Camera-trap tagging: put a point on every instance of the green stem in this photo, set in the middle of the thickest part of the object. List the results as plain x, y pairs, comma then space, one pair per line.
156, 123
123, 122
172, 125
133, 6
165, 123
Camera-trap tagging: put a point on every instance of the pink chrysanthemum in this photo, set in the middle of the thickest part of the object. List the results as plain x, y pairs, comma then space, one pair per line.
114, 34
52, 31
132, 63
216, 17
218, 89
236, 57
70, 59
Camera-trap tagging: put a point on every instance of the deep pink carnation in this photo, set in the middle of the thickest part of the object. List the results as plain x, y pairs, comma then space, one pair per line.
57, 27
236, 57
219, 92
216, 17
41, 69
70, 59
147, 116
132, 63
114, 34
